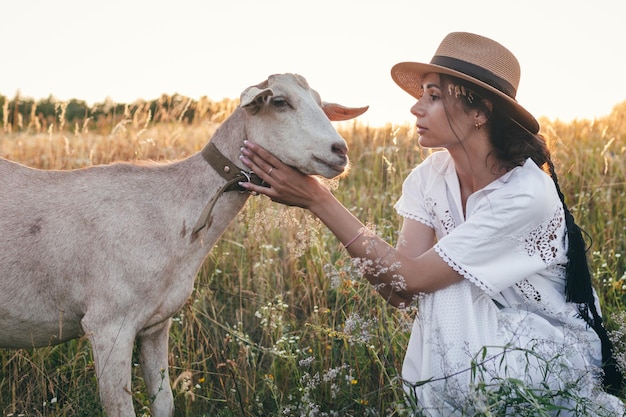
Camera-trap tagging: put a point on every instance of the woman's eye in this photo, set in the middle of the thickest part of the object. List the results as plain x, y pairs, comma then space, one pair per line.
434, 97
279, 102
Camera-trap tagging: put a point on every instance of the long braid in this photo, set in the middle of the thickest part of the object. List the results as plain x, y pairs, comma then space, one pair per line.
579, 290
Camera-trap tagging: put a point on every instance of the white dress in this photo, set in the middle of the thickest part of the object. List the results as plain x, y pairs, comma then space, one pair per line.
508, 320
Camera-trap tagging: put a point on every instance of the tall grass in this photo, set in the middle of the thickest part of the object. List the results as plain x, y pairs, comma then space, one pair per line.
279, 322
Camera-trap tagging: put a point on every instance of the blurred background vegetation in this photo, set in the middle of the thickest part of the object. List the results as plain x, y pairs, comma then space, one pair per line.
280, 323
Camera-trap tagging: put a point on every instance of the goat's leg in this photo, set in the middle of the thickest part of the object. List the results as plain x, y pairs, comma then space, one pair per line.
112, 351
153, 358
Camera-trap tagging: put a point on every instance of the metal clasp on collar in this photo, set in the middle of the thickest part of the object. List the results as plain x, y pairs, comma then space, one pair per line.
248, 176
245, 174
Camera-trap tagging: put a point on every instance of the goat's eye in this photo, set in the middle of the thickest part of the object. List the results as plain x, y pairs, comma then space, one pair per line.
279, 102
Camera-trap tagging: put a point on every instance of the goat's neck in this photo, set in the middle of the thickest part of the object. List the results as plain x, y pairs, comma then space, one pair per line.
229, 137
220, 154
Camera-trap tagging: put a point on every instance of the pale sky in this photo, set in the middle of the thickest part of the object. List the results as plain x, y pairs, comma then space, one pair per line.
572, 52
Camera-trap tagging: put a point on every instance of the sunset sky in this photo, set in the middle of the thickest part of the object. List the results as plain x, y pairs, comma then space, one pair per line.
572, 52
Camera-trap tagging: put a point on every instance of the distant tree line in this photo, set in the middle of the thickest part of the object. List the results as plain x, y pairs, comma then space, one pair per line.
22, 113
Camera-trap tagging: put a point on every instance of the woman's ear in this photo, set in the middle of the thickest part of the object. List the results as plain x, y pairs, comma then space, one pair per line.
483, 113
488, 105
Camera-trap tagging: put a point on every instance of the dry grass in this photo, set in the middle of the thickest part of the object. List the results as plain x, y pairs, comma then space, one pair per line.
279, 323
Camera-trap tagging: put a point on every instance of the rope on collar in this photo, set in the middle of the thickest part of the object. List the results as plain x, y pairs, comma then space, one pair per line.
233, 176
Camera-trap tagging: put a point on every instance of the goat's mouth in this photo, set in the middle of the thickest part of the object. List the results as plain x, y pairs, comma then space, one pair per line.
329, 169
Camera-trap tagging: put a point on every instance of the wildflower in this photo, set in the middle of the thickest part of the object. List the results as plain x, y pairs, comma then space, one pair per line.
306, 361
358, 329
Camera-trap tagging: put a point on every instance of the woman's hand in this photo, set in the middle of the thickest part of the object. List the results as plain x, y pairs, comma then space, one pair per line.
287, 185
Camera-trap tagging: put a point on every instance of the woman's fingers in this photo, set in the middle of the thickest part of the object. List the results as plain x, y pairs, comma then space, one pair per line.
263, 164
267, 157
286, 184
259, 164
262, 160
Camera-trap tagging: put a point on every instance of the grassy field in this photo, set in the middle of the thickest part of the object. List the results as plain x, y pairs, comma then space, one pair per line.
279, 322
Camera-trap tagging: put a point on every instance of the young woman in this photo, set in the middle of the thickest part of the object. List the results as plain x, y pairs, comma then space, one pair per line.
488, 247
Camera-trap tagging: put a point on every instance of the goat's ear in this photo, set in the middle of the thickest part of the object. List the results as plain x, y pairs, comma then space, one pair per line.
336, 112
251, 98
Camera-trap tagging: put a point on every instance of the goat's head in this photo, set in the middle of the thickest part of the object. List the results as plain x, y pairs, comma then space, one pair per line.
288, 118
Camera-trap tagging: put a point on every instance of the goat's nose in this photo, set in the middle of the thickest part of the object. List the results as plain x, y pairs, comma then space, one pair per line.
340, 149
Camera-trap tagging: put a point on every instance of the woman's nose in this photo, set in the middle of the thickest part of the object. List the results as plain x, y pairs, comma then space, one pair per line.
415, 109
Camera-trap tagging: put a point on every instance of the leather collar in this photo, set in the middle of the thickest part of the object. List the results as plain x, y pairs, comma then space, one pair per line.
233, 176
227, 169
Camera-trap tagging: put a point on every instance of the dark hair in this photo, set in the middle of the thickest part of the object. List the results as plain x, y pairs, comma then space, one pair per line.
512, 146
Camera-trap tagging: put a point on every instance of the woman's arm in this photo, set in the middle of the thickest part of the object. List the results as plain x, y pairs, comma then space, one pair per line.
398, 274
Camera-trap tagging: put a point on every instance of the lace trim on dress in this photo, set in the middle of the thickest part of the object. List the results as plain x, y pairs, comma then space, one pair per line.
465, 273
415, 217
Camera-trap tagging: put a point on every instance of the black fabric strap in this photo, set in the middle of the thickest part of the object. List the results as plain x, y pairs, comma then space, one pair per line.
477, 72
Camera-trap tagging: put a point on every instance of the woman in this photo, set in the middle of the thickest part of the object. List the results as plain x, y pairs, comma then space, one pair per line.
487, 247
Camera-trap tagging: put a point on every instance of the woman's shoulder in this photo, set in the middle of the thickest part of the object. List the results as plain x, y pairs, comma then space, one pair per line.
529, 187
530, 178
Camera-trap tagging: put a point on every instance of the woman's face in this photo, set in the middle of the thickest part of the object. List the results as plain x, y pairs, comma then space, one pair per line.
440, 125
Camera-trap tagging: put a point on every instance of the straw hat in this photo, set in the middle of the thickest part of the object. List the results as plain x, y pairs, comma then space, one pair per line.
477, 59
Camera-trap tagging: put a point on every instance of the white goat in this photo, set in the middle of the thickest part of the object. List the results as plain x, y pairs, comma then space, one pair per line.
111, 252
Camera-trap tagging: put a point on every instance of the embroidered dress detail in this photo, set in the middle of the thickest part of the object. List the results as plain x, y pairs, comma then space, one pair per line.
528, 291
447, 222
543, 238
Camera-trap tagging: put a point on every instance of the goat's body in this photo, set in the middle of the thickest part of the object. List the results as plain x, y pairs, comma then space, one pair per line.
58, 269
109, 252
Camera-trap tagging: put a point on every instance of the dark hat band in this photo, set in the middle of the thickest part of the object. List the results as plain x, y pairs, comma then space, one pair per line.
475, 71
